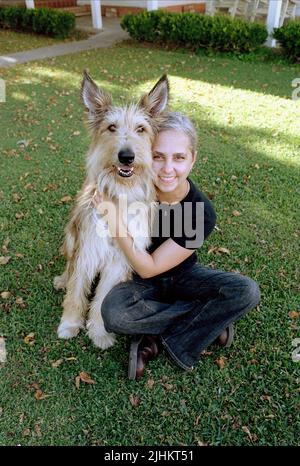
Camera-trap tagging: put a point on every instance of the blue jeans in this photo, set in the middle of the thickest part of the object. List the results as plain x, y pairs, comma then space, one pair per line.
188, 311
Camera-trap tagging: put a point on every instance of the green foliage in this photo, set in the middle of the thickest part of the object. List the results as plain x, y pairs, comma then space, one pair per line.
143, 26
196, 31
41, 21
289, 38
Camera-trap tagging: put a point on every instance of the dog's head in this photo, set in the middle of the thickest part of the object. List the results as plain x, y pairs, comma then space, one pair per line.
120, 153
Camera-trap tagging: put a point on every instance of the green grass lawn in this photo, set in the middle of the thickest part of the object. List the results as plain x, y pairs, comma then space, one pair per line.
13, 42
248, 161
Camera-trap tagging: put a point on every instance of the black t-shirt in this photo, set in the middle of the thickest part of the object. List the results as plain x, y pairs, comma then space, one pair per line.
191, 222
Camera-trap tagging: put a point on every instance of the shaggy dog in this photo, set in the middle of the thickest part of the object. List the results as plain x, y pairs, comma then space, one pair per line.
118, 164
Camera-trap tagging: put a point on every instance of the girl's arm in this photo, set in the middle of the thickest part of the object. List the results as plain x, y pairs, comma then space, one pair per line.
164, 258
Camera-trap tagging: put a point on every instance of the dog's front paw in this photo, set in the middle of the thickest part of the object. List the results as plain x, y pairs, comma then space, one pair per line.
67, 330
104, 341
60, 282
100, 337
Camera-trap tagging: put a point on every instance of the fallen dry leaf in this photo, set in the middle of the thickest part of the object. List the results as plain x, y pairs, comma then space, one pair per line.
40, 395
83, 377
206, 353
294, 314
29, 339
5, 294
66, 199
86, 378
223, 250
20, 302
16, 197
218, 251
37, 430
201, 444
247, 431
50, 186
4, 260
134, 400
221, 362
236, 213
19, 215
150, 383
34, 385
77, 382
265, 397
167, 386
196, 422
57, 363
6, 242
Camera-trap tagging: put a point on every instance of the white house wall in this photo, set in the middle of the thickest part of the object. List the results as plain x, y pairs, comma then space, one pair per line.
143, 3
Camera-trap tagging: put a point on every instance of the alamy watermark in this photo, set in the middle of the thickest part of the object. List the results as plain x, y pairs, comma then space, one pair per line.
2, 90
157, 220
296, 92
296, 351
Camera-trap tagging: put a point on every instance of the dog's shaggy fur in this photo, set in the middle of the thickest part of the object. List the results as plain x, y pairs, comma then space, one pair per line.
118, 163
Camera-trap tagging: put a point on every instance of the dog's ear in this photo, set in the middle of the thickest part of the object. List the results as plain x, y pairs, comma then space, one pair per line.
93, 98
157, 100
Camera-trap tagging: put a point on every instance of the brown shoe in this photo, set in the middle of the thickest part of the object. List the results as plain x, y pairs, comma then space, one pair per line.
225, 339
142, 349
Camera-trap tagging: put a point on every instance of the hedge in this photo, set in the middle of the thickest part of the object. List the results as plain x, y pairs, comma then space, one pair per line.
41, 21
196, 31
289, 38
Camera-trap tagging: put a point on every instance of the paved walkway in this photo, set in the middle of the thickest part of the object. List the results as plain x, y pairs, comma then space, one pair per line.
108, 36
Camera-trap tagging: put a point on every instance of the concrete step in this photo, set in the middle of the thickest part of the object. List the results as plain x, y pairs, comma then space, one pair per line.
84, 10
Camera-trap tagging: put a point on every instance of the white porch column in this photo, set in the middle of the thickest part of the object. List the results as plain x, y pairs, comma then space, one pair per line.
152, 5
96, 14
29, 4
273, 19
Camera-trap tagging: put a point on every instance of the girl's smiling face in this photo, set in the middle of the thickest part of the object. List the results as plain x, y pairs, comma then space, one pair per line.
173, 160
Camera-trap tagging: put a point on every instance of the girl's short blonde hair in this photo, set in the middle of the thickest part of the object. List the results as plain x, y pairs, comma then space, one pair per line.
179, 122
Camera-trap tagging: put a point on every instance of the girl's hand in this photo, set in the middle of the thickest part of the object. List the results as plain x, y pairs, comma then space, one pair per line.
110, 214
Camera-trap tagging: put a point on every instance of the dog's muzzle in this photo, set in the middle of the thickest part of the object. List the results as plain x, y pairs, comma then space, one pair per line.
126, 159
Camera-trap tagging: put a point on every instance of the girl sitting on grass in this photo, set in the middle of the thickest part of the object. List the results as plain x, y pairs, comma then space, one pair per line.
172, 300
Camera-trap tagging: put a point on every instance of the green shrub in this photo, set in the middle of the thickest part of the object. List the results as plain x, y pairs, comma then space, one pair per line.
196, 31
12, 17
143, 26
41, 21
289, 38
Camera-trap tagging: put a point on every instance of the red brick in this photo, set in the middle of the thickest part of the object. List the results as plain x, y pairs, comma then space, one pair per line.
195, 7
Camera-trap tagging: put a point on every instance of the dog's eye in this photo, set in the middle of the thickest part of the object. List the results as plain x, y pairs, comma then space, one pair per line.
140, 129
112, 128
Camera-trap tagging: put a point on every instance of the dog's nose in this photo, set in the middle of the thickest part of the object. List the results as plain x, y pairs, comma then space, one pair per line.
126, 156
